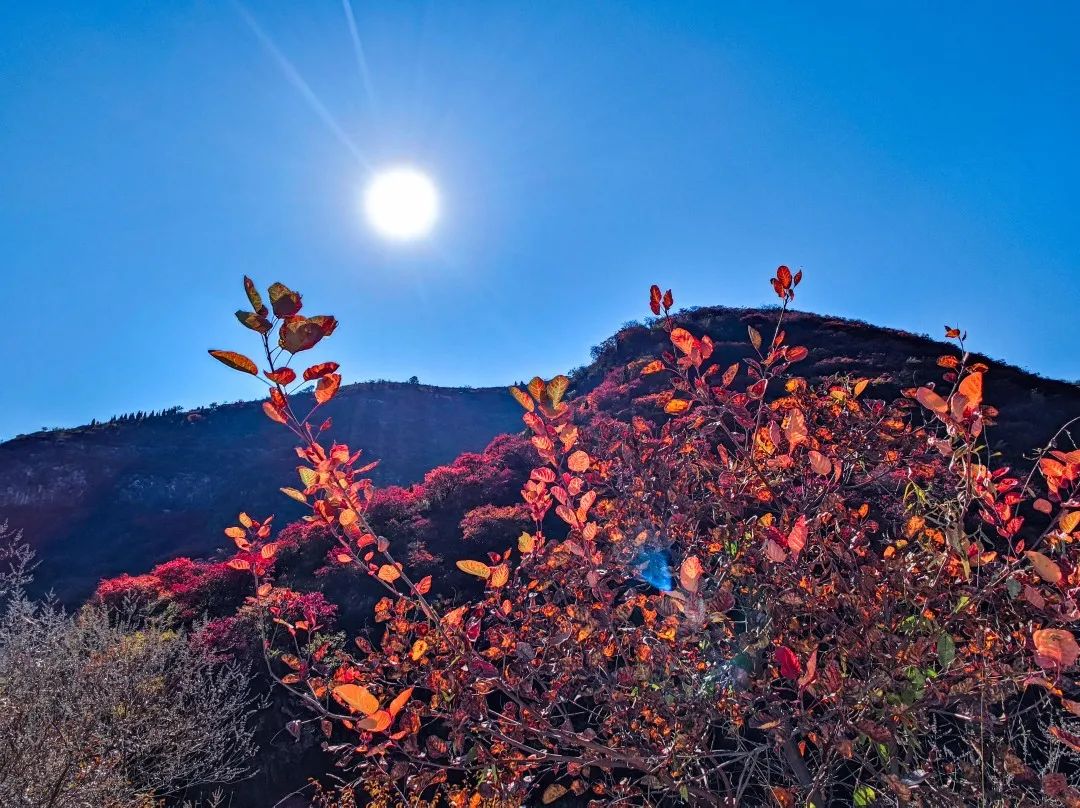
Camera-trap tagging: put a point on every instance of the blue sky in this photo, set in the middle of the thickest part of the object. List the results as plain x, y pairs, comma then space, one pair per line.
919, 162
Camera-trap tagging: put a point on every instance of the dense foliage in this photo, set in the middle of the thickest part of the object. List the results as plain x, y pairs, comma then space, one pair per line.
771, 591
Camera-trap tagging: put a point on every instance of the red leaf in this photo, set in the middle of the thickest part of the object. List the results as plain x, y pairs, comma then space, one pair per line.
327, 387
783, 274
284, 301
282, 376
319, 370
790, 667
654, 299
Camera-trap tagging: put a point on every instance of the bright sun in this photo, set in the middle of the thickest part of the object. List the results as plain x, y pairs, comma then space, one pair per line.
401, 203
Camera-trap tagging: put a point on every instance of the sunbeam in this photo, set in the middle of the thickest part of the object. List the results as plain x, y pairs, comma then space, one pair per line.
294, 77
361, 60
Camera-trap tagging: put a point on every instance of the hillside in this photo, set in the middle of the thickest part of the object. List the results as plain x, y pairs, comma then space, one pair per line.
100, 500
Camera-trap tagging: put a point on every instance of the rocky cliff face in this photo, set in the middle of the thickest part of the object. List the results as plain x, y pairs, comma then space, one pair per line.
100, 500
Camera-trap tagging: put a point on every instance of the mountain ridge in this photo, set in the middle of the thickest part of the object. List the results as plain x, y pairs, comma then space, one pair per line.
121, 496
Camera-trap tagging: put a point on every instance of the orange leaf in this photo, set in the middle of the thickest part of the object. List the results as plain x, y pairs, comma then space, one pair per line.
236, 361
683, 340
971, 388
676, 405
424, 586
320, 370
796, 354
401, 700
860, 385
378, 722
819, 462
795, 429
690, 573
239, 564
477, 568
357, 698
1069, 521
499, 576
578, 462
389, 573
273, 413
521, 398
654, 366
931, 400
419, 648
1055, 648
269, 550
796, 539
327, 387
1047, 569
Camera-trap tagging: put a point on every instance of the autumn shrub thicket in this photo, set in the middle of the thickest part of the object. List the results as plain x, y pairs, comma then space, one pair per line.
751, 591
109, 709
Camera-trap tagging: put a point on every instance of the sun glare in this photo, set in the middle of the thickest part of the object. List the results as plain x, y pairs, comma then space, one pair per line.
401, 203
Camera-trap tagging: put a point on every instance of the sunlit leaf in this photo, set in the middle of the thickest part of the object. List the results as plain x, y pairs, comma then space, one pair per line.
477, 568
254, 298
690, 573
283, 300
1047, 569
654, 366
521, 398
676, 406
578, 462
931, 400
327, 387
320, 370
282, 376
357, 698
236, 361
389, 573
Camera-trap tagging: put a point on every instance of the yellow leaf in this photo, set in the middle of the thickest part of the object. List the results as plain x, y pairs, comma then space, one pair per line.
419, 648
499, 576
653, 367
477, 568
292, 493
235, 532
1070, 520
526, 543
307, 476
